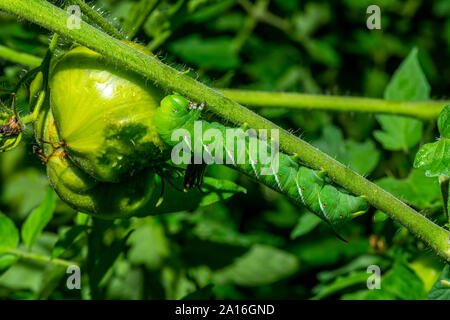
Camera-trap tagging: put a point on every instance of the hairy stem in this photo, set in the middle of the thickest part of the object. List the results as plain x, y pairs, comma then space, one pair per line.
427, 110
418, 109
261, 99
37, 257
53, 18
19, 57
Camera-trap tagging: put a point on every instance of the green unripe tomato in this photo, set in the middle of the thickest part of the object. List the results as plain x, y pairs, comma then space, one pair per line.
98, 137
132, 196
104, 115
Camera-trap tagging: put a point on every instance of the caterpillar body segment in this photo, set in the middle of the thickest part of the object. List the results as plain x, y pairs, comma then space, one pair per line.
178, 123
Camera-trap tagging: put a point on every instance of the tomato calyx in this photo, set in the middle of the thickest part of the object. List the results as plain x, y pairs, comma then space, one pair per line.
56, 150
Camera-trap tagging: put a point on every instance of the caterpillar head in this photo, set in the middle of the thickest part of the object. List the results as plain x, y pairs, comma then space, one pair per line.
174, 112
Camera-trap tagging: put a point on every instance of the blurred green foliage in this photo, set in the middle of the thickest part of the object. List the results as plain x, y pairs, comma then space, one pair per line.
255, 245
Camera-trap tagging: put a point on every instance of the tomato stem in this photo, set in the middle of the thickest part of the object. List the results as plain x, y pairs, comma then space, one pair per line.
260, 99
37, 257
427, 110
19, 57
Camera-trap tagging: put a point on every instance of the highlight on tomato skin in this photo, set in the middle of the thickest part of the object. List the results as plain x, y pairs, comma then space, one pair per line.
98, 109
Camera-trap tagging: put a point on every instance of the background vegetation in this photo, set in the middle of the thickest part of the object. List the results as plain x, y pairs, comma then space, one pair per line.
255, 245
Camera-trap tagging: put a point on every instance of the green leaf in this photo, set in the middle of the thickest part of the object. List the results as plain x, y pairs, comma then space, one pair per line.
408, 84
323, 52
314, 16
50, 281
403, 283
306, 223
428, 267
418, 189
260, 266
398, 283
148, 243
6, 261
212, 190
359, 263
38, 219
210, 10
232, 22
288, 5
128, 283
66, 240
217, 225
9, 235
101, 257
218, 190
197, 252
444, 122
28, 275
201, 294
25, 190
440, 290
361, 157
216, 53
342, 282
312, 255
435, 157
285, 215
399, 133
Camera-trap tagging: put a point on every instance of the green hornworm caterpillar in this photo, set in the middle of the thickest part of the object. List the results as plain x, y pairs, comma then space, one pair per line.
177, 119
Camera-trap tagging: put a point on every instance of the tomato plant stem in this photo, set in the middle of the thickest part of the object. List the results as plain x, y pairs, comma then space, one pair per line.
34, 256
418, 109
19, 57
427, 110
53, 18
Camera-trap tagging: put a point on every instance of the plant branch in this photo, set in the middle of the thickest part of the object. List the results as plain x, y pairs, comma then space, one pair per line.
266, 17
19, 57
34, 256
427, 110
53, 18
418, 109
250, 24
